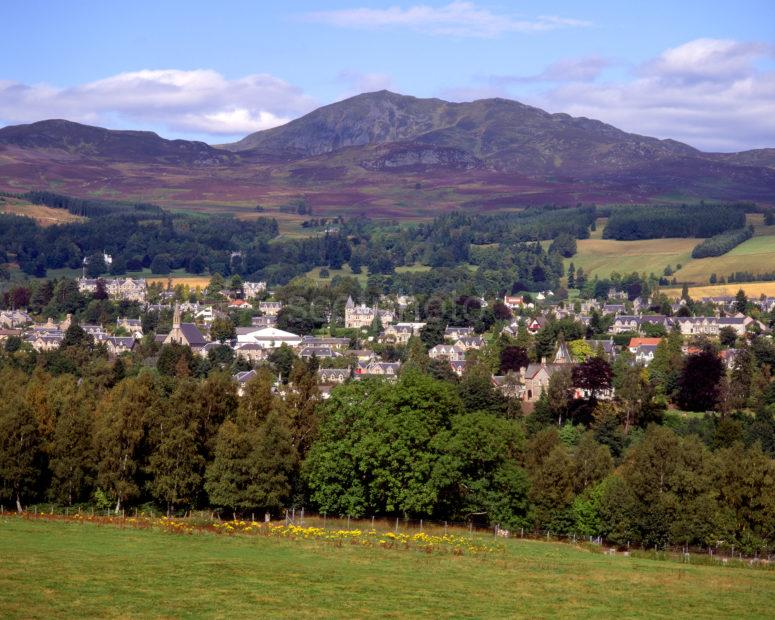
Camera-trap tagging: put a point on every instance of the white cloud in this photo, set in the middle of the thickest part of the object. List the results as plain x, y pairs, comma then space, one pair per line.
706, 59
463, 19
710, 93
199, 101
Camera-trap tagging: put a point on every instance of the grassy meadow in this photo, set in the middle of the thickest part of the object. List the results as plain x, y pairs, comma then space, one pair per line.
601, 257
755, 255
60, 569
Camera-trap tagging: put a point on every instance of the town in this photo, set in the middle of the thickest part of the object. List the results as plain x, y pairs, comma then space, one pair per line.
241, 323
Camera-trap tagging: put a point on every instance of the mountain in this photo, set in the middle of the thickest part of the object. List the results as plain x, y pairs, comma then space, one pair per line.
385, 154
499, 133
99, 143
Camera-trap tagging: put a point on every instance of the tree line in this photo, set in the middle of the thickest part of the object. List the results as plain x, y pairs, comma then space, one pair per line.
722, 243
658, 221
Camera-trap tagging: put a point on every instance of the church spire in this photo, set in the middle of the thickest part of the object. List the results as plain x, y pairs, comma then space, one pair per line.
176, 317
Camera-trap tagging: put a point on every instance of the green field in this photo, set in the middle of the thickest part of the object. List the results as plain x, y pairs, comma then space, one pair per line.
601, 257
755, 255
58, 569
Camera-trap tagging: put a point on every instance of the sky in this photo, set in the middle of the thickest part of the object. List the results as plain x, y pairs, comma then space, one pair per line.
702, 72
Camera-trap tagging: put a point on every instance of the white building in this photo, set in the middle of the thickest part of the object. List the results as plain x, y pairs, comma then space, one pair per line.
269, 338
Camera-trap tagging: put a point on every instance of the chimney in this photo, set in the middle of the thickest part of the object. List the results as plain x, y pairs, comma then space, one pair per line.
543, 360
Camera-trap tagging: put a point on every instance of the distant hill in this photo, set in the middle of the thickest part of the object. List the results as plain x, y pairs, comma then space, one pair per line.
383, 153
96, 142
755, 157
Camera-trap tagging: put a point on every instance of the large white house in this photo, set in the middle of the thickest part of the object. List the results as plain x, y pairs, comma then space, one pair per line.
269, 338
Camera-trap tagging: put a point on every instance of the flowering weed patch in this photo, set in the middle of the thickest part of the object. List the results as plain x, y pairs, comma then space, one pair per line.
419, 541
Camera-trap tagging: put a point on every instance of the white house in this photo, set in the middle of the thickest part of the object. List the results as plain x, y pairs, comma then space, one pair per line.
269, 338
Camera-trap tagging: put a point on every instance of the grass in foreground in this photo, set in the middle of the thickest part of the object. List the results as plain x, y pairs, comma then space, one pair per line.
55, 569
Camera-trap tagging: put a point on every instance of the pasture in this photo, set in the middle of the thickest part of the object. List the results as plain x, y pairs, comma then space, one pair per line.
756, 255
61, 569
602, 257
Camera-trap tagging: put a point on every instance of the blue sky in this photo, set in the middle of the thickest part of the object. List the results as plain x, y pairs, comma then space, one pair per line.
702, 72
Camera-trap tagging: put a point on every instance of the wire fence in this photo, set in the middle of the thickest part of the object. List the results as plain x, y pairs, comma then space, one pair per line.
721, 553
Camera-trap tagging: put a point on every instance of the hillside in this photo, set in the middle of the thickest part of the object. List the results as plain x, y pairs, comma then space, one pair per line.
384, 155
99, 143
754, 157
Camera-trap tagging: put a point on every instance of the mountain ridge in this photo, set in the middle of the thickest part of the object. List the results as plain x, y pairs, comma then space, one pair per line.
387, 153
504, 134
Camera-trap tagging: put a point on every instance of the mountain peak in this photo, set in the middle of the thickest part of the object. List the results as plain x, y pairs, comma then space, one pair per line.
500, 133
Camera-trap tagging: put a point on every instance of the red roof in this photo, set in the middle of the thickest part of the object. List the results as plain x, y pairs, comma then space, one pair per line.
636, 342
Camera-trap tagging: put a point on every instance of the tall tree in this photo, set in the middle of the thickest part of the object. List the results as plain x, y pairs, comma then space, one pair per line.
176, 460
591, 463
120, 425
302, 400
70, 449
272, 462
551, 490
19, 441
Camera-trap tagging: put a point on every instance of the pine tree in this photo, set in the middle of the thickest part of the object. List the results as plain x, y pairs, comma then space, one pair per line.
551, 489
571, 276
591, 462
741, 302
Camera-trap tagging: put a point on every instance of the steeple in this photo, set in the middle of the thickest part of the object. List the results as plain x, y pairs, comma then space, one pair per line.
176, 317
350, 303
562, 356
